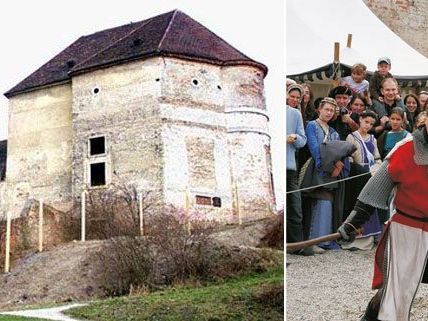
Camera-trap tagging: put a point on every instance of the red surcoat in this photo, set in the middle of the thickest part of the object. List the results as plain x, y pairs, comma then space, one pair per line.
411, 197
412, 185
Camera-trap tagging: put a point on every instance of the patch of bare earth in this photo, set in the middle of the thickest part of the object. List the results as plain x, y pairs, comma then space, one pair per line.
72, 271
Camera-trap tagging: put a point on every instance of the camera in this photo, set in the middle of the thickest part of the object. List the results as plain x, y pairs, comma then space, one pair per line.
343, 111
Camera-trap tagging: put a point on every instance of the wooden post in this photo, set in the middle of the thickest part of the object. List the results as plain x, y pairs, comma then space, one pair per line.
140, 211
83, 216
7, 254
41, 225
349, 42
237, 205
188, 212
336, 51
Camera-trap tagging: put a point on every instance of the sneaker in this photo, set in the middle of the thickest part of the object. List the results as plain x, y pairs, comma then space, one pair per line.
316, 249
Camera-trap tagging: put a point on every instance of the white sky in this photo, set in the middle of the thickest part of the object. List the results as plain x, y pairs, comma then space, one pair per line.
32, 32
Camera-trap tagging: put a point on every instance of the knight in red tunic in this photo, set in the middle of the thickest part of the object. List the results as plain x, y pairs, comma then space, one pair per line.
402, 253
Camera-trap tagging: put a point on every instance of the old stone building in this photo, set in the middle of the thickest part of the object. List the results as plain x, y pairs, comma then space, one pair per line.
407, 18
163, 104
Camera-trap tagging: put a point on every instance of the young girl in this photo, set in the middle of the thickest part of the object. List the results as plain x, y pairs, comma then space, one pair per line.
387, 140
364, 160
412, 109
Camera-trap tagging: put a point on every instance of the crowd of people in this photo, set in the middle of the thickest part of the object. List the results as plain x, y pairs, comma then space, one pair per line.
325, 177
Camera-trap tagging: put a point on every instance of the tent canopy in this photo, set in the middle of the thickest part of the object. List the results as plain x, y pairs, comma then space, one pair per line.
313, 26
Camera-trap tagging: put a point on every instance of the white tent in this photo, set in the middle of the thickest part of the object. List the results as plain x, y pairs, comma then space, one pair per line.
313, 26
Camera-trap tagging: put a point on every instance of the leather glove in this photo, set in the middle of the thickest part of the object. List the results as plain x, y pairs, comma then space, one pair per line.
347, 233
349, 229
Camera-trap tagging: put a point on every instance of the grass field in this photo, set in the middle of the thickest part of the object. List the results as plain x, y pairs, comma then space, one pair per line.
253, 297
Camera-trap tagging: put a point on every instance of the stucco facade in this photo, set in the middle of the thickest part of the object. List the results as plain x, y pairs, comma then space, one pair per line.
179, 128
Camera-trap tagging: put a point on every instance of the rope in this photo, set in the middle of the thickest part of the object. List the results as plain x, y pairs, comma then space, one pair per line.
321, 185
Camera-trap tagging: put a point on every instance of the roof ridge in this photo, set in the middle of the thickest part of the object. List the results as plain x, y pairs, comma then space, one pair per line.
144, 22
167, 29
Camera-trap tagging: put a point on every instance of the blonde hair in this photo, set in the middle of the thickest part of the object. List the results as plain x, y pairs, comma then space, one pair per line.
359, 68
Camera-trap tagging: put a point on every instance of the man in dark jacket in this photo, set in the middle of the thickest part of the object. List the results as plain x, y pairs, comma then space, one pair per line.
391, 99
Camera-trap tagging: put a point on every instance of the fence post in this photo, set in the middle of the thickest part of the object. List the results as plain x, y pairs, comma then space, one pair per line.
83, 216
41, 225
237, 205
188, 213
7, 254
140, 210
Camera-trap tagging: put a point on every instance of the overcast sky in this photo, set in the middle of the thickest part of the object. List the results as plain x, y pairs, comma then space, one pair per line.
32, 32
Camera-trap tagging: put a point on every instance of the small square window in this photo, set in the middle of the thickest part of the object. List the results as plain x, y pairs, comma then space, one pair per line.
97, 146
203, 200
98, 174
216, 201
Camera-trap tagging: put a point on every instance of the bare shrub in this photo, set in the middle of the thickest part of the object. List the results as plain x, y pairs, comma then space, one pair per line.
274, 235
172, 253
270, 296
114, 211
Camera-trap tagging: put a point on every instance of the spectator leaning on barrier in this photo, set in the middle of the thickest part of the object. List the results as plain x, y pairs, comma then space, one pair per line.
296, 139
326, 202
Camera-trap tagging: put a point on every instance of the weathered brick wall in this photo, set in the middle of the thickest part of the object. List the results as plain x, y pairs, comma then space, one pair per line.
407, 18
39, 148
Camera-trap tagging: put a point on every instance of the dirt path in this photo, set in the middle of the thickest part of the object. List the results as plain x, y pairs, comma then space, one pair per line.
49, 313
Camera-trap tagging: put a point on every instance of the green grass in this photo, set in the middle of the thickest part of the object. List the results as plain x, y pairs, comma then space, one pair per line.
232, 300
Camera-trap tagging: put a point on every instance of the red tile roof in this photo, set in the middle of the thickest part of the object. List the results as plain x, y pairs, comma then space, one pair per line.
172, 34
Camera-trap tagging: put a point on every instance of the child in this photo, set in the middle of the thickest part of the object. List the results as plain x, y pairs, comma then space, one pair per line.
387, 140
383, 68
420, 119
356, 81
366, 158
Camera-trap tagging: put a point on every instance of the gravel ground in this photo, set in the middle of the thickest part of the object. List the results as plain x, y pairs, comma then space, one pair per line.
336, 286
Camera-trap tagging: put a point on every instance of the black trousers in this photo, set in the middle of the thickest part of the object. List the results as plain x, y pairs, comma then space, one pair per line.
293, 211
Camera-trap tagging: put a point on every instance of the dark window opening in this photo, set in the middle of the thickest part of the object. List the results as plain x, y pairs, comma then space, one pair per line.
97, 146
3, 159
203, 200
216, 201
98, 174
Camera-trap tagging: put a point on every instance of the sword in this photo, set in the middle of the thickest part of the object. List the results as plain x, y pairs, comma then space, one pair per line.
326, 238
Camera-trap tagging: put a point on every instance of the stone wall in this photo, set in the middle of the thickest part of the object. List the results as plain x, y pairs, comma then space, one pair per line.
407, 18
39, 148
194, 134
121, 104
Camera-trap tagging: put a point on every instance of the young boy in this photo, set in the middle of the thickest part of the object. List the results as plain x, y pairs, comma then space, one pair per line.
383, 68
356, 81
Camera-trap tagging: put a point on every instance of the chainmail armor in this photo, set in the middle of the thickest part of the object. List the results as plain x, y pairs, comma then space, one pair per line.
420, 142
378, 188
